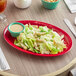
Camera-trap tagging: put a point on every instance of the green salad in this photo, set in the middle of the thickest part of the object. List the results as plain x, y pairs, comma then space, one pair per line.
40, 40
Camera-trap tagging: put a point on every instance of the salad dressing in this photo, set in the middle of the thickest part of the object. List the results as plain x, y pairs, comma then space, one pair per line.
16, 28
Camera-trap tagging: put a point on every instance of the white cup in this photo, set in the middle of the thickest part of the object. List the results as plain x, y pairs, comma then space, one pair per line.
22, 3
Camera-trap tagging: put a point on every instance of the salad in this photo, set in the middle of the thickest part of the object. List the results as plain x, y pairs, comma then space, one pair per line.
51, 0
40, 40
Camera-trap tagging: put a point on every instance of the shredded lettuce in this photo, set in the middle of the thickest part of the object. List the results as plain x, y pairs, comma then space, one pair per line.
40, 40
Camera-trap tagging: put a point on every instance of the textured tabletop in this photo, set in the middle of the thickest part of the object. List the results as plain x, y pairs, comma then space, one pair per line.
28, 65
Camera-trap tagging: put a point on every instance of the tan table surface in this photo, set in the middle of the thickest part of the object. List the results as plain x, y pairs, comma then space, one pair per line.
29, 65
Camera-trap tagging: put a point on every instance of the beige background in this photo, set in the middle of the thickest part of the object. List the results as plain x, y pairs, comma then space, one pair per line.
28, 65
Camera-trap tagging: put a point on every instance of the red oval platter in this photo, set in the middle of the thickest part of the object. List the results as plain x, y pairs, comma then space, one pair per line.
67, 39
